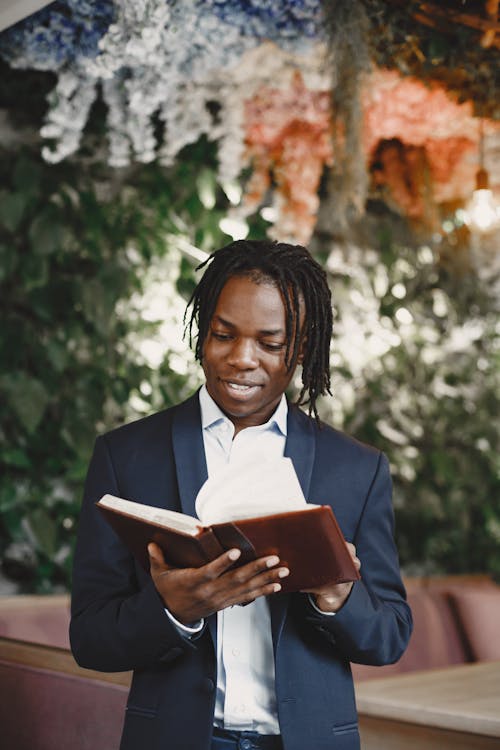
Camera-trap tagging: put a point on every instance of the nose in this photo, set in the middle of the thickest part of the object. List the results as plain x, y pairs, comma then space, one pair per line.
243, 355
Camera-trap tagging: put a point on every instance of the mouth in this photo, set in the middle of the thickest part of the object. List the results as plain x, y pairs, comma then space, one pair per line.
240, 389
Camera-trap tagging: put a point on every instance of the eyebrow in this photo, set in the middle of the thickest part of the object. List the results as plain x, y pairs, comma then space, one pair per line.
263, 332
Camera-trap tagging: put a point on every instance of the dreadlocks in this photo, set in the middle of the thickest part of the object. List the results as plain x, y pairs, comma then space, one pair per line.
298, 277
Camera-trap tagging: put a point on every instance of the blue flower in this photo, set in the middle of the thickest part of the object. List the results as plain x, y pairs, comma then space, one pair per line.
60, 33
284, 21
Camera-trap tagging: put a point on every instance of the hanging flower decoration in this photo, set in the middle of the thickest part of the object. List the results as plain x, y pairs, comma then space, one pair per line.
422, 145
288, 140
148, 55
254, 77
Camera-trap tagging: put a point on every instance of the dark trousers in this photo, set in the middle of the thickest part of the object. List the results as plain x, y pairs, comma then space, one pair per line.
224, 739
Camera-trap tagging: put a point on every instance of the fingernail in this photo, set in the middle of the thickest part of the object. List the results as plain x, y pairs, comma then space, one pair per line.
284, 572
272, 561
277, 587
233, 554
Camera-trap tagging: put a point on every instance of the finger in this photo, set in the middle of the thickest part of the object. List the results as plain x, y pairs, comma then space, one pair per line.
248, 596
241, 585
225, 562
221, 564
355, 558
268, 565
243, 589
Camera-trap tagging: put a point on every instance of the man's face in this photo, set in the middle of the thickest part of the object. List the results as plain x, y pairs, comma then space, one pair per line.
244, 352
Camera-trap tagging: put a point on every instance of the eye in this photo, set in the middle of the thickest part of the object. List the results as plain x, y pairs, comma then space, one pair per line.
272, 346
219, 336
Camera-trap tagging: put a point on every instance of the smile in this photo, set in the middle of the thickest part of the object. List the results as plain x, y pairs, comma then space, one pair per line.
240, 388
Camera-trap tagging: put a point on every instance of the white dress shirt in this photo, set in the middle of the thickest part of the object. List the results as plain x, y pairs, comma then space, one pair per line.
245, 698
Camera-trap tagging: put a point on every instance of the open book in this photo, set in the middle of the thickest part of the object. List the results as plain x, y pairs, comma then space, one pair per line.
306, 537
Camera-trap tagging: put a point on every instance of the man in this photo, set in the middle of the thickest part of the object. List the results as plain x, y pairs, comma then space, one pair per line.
273, 674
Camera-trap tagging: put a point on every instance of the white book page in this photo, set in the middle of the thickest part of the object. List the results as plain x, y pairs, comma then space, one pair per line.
162, 516
248, 490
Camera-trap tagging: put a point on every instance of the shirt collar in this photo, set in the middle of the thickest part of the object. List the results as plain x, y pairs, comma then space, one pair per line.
211, 413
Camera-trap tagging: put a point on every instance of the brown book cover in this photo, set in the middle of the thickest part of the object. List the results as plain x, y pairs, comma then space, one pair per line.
308, 541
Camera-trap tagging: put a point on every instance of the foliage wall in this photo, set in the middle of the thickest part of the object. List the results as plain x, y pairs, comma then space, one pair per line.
82, 245
75, 251
416, 372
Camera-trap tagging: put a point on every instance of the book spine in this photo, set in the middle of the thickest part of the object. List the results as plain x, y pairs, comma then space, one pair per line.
210, 545
229, 535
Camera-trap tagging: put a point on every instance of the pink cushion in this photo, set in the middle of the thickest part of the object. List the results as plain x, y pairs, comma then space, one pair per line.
479, 614
49, 710
35, 619
436, 640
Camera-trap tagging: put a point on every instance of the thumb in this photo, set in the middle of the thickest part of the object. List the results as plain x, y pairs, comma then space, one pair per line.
156, 559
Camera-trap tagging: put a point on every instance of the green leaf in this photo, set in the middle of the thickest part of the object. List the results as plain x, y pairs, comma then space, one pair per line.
12, 207
98, 303
16, 457
27, 397
57, 355
27, 174
43, 530
8, 261
46, 234
35, 271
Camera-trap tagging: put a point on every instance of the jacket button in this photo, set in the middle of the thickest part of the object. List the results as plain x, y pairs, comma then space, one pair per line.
208, 685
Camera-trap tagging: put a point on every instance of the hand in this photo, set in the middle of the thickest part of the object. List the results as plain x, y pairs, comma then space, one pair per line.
193, 593
331, 598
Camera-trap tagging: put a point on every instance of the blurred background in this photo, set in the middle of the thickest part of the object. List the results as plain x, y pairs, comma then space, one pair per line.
137, 137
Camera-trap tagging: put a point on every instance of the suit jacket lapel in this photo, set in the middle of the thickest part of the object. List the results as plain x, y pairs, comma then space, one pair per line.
189, 452
191, 465
300, 447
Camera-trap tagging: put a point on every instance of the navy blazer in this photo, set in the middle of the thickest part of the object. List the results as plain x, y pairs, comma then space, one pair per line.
118, 620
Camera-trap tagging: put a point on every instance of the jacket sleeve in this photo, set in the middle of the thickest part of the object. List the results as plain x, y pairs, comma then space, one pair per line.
118, 621
375, 623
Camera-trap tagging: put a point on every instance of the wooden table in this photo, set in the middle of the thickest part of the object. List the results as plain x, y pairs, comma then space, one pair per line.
457, 707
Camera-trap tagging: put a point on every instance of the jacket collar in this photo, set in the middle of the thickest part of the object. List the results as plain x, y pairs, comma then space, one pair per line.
189, 451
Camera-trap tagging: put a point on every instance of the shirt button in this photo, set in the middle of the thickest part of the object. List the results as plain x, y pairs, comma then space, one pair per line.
236, 652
